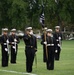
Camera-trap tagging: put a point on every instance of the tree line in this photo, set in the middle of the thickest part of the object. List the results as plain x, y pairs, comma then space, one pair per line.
22, 13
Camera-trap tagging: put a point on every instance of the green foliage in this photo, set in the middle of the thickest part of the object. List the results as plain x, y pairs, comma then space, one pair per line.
22, 13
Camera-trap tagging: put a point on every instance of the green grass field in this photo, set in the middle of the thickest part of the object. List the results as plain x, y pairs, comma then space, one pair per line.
63, 67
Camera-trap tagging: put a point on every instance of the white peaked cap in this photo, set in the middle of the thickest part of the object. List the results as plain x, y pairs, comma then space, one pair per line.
49, 30
57, 27
4, 29
13, 30
28, 28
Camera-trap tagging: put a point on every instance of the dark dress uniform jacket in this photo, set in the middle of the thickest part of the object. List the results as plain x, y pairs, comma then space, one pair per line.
58, 38
30, 49
14, 47
4, 49
50, 49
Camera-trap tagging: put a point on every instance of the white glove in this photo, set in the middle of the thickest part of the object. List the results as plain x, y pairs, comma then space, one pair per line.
7, 41
59, 38
13, 43
58, 45
56, 51
45, 42
15, 40
13, 47
5, 44
6, 49
31, 33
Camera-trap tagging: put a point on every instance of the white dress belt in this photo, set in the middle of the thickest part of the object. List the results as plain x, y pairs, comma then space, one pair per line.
50, 44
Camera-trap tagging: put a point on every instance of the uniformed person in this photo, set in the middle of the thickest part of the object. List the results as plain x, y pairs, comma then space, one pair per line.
4, 40
44, 47
50, 42
30, 48
14, 40
58, 36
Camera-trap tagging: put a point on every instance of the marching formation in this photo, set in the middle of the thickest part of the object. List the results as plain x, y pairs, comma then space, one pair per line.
5, 41
51, 42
